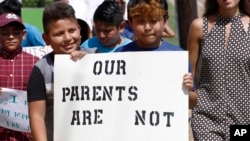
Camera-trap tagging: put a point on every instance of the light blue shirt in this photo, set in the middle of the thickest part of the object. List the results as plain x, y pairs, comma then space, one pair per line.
95, 43
33, 37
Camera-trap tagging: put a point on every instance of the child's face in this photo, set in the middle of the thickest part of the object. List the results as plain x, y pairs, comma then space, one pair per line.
63, 36
11, 37
148, 31
108, 35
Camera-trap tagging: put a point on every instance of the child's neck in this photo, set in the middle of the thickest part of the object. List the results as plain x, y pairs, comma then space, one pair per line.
118, 42
152, 45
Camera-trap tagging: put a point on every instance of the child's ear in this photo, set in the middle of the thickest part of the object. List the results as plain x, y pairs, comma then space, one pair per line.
46, 38
130, 24
24, 34
78, 25
122, 26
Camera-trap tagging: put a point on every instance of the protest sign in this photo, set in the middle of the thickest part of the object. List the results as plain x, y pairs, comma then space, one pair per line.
13, 103
38, 51
14, 110
136, 96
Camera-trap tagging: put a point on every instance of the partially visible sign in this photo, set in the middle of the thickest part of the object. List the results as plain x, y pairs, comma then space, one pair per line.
38, 51
14, 110
13, 103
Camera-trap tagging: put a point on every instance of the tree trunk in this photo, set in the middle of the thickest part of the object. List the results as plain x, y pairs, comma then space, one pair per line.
186, 13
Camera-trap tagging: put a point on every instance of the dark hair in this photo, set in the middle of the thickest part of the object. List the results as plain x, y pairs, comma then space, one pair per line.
84, 30
11, 6
56, 11
162, 4
109, 12
212, 7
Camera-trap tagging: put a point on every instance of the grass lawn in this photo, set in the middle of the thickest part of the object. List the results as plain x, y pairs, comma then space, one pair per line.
34, 17
172, 23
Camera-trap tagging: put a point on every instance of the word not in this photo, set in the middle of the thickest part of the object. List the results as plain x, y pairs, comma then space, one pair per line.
153, 116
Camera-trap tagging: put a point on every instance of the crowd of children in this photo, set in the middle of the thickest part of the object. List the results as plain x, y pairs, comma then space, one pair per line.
146, 21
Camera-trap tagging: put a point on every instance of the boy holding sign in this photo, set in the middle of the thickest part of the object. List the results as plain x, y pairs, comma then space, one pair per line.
147, 18
62, 32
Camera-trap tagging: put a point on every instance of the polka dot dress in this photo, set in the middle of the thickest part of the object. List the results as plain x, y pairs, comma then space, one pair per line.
224, 82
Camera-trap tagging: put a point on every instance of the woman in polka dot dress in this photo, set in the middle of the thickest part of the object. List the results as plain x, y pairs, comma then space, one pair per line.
219, 51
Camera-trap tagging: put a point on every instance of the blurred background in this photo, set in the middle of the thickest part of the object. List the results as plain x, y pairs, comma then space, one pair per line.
181, 13
35, 3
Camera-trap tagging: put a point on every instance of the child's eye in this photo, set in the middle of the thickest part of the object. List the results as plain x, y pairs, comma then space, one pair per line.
17, 32
72, 30
59, 34
107, 31
14, 33
140, 21
5, 33
153, 21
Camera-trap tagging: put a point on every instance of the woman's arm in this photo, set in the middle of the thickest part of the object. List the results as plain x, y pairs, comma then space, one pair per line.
193, 44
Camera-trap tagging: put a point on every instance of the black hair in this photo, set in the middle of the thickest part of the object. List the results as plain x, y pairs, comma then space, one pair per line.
11, 6
84, 30
57, 11
109, 12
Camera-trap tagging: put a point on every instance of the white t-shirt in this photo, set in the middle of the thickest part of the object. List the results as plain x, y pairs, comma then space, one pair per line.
85, 9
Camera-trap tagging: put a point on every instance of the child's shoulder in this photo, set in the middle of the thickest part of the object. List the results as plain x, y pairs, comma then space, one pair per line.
128, 47
91, 42
47, 59
168, 46
125, 41
90, 50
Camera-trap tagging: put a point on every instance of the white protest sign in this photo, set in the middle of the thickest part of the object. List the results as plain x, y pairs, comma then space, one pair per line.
132, 96
38, 51
14, 110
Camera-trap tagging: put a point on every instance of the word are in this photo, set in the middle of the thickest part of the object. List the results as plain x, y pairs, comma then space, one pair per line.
87, 117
